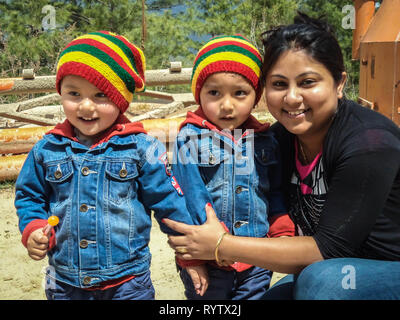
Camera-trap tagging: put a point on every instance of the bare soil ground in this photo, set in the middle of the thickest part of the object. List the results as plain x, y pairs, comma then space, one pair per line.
21, 277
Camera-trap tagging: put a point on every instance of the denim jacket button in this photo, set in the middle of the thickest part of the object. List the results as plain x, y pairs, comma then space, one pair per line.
83, 208
83, 244
87, 280
211, 159
238, 189
237, 224
85, 171
123, 173
57, 174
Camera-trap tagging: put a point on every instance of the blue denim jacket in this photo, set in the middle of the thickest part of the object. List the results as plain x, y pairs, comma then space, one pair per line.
240, 177
103, 197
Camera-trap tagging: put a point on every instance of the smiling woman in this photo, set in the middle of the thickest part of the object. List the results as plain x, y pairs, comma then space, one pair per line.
303, 96
304, 76
341, 179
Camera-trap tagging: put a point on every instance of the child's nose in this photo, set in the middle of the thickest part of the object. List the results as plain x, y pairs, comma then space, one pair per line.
87, 106
227, 104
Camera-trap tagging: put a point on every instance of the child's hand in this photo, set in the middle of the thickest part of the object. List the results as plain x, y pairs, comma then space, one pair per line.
199, 277
37, 245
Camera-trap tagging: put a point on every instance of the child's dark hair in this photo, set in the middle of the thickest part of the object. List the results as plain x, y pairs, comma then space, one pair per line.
314, 36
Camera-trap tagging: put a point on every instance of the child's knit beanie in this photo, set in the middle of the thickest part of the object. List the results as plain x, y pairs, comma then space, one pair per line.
108, 61
227, 54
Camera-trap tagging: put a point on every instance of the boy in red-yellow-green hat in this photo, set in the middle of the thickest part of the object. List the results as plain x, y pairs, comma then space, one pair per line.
101, 175
224, 156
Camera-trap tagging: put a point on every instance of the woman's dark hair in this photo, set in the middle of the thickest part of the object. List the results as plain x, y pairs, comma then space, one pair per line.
314, 36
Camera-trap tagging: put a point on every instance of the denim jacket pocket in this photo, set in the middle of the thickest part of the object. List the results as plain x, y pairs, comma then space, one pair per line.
59, 175
211, 166
120, 179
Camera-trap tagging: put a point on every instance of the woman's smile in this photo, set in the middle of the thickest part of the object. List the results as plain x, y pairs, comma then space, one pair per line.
297, 114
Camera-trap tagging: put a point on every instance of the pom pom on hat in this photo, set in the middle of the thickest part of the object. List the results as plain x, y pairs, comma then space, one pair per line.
227, 54
108, 61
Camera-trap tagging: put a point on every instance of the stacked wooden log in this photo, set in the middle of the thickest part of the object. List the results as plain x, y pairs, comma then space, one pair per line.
160, 120
17, 142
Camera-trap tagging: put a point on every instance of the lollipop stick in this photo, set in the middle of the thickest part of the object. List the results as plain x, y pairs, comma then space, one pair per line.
47, 229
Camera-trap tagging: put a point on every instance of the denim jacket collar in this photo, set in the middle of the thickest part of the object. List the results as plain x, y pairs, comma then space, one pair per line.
198, 118
121, 127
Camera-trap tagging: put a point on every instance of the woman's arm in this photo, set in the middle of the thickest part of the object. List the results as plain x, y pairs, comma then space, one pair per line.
285, 255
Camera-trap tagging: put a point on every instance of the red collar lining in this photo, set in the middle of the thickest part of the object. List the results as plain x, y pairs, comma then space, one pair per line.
198, 118
122, 126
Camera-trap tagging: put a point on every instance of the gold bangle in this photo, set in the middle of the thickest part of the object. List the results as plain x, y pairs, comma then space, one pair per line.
217, 247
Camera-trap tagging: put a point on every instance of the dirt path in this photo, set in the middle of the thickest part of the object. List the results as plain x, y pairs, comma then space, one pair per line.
21, 277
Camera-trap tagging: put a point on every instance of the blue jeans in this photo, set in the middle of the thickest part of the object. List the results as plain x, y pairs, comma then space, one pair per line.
341, 279
250, 284
138, 288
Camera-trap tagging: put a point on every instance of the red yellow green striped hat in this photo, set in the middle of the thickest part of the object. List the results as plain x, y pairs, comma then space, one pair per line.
108, 61
227, 54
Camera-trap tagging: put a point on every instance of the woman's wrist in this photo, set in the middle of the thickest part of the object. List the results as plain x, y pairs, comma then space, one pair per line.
223, 250
216, 251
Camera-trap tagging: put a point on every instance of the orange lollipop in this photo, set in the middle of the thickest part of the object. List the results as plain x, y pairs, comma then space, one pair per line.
52, 221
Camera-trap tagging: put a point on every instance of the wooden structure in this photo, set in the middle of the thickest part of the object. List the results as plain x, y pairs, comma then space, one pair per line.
17, 142
40, 112
29, 83
376, 43
161, 119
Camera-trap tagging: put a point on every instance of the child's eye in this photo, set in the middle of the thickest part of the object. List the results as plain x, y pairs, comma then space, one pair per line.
213, 92
73, 93
240, 93
100, 95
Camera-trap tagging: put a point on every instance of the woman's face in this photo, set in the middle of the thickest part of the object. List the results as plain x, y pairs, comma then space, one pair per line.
302, 94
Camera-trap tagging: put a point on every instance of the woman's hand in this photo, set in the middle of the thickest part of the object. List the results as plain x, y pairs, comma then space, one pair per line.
197, 242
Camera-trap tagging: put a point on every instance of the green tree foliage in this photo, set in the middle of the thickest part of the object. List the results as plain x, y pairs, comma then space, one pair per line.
332, 12
24, 43
118, 16
174, 30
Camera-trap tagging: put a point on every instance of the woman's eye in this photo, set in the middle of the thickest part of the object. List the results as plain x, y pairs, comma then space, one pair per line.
279, 84
308, 82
